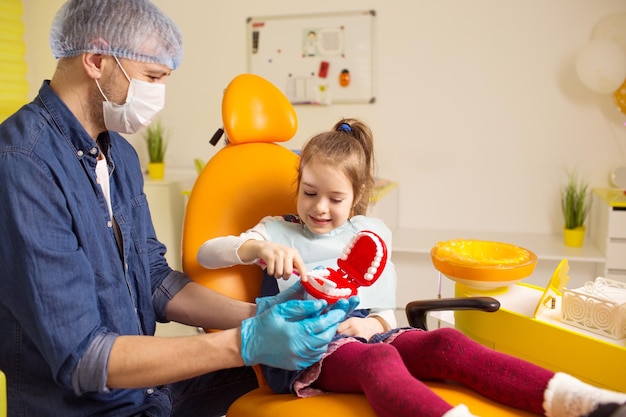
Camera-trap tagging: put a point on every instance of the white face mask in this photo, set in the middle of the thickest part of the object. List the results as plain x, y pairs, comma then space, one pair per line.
144, 101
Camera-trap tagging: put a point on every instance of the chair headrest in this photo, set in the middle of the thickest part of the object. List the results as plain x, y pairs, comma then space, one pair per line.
255, 110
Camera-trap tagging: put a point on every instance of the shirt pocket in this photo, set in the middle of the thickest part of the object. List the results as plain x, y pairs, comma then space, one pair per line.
141, 225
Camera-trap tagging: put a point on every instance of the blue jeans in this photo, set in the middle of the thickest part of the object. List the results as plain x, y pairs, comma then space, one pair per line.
211, 394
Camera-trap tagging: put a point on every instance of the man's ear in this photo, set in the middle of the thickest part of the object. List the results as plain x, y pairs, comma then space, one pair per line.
92, 64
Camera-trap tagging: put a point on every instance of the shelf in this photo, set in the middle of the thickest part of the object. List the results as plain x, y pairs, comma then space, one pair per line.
545, 246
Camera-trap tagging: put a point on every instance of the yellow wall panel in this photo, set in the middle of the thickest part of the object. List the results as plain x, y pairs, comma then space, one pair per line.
13, 84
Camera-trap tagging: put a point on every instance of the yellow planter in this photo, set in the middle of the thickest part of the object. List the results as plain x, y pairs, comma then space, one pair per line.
574, 237
156, 170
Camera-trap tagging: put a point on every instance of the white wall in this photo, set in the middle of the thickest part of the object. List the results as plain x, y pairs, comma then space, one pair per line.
478, 107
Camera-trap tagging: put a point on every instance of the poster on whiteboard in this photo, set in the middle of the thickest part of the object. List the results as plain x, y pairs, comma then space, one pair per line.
316, 58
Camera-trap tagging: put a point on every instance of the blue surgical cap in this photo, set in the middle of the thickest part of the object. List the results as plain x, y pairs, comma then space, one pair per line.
132, 29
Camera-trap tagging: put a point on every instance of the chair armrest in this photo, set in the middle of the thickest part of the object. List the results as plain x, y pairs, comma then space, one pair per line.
416, 311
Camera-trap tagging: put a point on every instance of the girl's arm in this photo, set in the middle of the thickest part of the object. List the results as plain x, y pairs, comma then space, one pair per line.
386, 316
250, 247
377, 322
223, 251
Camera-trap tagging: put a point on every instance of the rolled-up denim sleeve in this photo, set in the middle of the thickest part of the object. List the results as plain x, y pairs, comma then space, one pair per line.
173, 283
90, 375
91, 372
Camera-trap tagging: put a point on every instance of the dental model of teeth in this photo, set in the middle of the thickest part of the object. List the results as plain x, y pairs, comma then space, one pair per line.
378, 257
318, 280
362, 262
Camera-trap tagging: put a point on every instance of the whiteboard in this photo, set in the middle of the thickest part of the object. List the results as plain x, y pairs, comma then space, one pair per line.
316, 58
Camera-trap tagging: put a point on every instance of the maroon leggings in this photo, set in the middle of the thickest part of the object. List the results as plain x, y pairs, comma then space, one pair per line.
390, 374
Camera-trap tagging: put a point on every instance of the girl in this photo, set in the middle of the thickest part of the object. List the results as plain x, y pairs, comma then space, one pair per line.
335, 181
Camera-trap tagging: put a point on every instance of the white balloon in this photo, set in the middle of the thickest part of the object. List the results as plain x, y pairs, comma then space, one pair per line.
613, 28
601, 65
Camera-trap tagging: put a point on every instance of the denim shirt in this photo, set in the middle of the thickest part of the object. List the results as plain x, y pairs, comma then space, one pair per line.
67, 290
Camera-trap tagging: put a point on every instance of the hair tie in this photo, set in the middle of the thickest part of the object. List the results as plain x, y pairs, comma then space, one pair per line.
345, 127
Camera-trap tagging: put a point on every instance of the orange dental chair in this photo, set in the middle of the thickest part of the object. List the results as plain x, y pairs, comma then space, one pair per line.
251, 177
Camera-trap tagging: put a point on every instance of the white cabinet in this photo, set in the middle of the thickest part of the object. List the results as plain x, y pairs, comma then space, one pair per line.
608, 230
167, 207
418, 279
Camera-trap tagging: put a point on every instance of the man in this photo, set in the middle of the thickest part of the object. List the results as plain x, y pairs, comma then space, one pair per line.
83, 278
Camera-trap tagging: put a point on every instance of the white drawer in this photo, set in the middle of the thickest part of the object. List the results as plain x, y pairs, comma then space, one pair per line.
616, 254
617, 223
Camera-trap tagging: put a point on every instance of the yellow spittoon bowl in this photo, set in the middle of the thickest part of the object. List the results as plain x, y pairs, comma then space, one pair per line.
481, 265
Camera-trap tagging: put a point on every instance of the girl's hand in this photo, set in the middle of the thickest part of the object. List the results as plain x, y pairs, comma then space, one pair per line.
361, 327
280, 261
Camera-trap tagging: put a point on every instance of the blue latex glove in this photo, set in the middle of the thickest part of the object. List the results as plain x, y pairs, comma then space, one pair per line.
292, 335
346, 305
295, 292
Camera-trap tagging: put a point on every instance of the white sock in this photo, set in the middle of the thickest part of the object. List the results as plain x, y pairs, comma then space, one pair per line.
567, 396
459, 411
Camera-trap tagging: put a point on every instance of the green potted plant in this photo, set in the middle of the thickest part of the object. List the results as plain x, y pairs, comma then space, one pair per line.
575, 205
156, 142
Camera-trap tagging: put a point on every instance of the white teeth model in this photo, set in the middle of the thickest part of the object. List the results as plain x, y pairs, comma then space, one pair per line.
371, 271
319, 279
324, 285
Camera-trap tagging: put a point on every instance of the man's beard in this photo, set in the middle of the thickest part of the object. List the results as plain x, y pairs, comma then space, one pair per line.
112, 91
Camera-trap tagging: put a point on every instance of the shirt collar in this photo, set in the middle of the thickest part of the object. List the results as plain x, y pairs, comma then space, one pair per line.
65, 121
